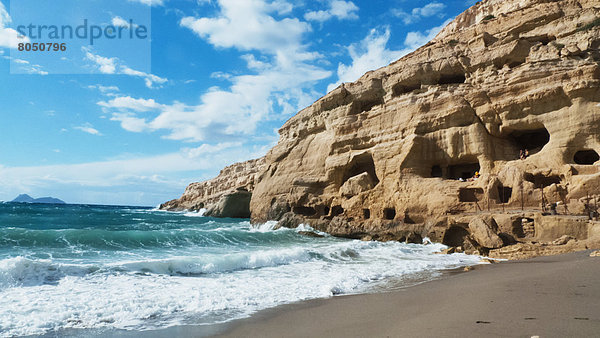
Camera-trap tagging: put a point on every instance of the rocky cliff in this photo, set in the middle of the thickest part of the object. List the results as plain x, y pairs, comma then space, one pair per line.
392, 154
227, 195
395, 154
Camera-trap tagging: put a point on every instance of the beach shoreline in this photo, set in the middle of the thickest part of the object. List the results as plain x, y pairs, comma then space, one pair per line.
551, 296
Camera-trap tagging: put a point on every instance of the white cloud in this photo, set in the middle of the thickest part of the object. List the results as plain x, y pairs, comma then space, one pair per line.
415, 40
88, 128
280, 77
429, 10
341, 10
114, 66
370, 53
247, 25
9, 38
118, 21
125, 103
105, 90
160, 177
150, 2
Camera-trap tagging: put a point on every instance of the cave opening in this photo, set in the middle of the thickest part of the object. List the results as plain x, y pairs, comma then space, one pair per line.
362, 106
401, 89
586, 157
452, 79
463, 170
455, 236
389, 213
436, 171
304, 211
366, 213
469, 194
532, 140
337, 210
504, 194
540, 180
361, 164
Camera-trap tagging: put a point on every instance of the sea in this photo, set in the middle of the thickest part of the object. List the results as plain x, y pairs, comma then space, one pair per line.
90, 267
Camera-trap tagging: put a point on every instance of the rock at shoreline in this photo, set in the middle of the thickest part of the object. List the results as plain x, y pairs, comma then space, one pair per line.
484, 234
234, 205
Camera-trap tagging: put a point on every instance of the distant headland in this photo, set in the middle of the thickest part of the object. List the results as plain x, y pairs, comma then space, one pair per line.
24, 198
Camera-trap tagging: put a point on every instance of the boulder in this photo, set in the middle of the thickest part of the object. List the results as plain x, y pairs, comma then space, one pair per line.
484, 233
356, 185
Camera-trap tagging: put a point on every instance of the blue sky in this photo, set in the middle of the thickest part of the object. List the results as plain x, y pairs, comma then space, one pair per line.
134, 124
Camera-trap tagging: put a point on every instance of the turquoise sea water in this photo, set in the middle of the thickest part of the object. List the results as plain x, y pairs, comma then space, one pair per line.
108, 267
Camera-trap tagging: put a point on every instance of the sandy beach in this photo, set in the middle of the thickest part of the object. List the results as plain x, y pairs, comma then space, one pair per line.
556, 296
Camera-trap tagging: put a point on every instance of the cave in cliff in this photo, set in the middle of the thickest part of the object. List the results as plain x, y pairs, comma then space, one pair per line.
463, 170
540, 180
361, 164
532, 140
504, 194
586, 157
455, 236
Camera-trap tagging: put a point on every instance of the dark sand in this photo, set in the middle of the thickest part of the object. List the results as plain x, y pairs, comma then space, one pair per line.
556, 296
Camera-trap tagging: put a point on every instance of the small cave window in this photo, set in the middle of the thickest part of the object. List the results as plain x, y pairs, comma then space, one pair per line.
401, 89
469, 194
452, 79
337, 210
366, 213
436, 171
361, 164
455, 236
586, 157
326, 210
358, 107
531, 140
504, 194
389, 213
304, 211
464, 170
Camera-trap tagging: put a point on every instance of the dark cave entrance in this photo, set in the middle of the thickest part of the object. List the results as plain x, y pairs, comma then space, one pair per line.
389, 213
366, 213
504, 194
361, 164
436, 171
449, 79
586, 157
540, 180
463, 170
469, 195
455, 236
532, 140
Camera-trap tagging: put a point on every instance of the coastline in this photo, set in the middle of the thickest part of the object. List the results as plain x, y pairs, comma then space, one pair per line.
551, 296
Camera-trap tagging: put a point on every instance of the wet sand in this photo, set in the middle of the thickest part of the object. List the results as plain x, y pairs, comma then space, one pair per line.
556, 296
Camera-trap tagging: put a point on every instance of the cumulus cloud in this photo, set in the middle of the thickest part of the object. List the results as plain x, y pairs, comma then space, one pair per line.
9, 38
279, 80
114, 66
429, 10
341, 10
370, 53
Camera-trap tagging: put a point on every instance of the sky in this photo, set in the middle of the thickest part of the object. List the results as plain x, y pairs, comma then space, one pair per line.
133, 121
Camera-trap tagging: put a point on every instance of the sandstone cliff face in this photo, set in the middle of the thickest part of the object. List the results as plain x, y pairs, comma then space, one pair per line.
233, 185
384, 157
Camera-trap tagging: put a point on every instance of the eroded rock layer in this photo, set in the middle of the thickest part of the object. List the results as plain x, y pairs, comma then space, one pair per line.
222, 195
392, 154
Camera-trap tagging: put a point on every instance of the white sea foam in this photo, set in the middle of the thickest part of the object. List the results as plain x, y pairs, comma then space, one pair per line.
157, 293
264, 227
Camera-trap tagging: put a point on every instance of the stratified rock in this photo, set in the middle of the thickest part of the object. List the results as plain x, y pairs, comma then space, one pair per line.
484, 233
492, 83
234, 205
234, 178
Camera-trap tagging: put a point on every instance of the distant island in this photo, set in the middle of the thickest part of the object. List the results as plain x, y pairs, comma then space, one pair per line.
24, 198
